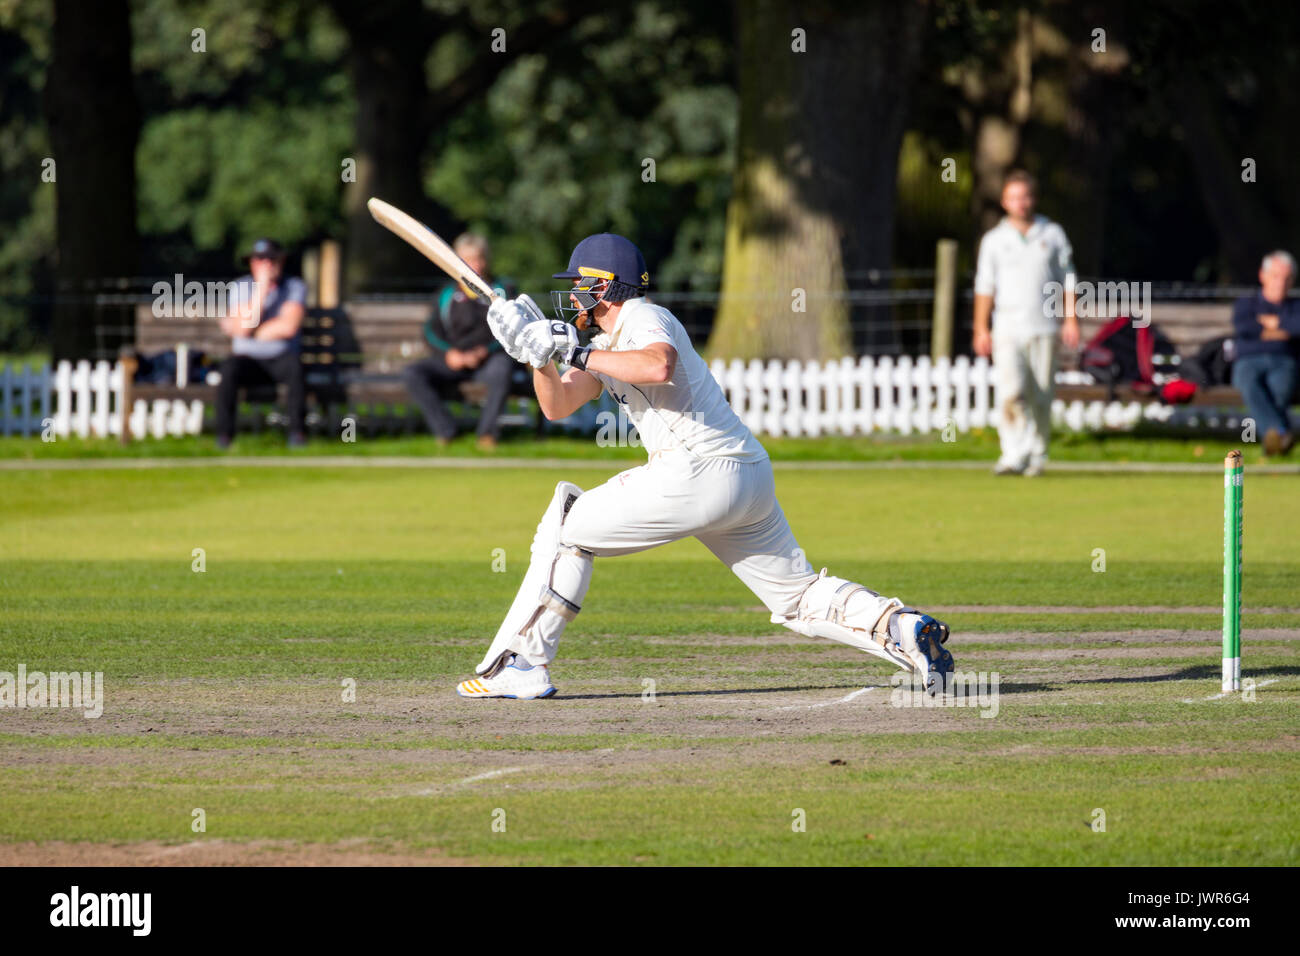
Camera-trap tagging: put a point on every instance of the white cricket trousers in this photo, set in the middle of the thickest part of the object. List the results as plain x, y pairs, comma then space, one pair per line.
1024, 374
728, 505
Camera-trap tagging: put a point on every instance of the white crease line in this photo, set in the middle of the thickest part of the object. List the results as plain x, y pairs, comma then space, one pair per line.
1263, 683
830, 703
430, 791
490, 774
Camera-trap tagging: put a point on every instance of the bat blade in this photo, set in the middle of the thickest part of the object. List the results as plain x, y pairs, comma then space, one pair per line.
431, 244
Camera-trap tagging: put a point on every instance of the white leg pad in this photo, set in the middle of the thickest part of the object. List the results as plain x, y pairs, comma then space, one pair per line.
551, 594
843, 611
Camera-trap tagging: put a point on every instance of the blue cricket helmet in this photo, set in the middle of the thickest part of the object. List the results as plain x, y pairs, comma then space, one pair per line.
608, 267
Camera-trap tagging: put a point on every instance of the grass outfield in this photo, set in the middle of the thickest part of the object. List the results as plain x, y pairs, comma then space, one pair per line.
224, 688
978, 445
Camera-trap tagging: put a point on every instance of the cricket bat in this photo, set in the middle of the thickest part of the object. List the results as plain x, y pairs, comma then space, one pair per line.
431, 244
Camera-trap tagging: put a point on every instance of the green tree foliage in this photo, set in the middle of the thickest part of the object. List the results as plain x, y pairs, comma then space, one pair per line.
559, 149
26, 203
1139, 152
245, 138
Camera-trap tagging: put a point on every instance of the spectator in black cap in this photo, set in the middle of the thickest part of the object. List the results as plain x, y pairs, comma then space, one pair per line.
463, 351
263, 315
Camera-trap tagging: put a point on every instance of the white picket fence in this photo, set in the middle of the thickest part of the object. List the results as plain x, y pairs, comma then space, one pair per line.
88, 402
866, 395
846, 397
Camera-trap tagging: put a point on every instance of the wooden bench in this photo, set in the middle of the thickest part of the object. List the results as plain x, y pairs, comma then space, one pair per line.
1219, 396
1188, 325
351, 357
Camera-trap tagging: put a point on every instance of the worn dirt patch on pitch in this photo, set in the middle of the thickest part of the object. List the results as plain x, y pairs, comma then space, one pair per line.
1279, 745
799, 687
400, 717
802, 709
1113, 652
219, 853
1200, 638
793, 705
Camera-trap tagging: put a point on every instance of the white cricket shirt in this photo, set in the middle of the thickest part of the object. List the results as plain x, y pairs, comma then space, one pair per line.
1016, 270
689, 411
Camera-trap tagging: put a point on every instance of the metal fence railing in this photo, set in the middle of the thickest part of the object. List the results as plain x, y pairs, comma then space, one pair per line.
890, 313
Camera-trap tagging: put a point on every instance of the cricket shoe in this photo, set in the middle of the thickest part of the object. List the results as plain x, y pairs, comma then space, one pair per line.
513, 681
921, 638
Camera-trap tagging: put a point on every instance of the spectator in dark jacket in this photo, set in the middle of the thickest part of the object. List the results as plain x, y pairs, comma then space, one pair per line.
463, 350
1264, 370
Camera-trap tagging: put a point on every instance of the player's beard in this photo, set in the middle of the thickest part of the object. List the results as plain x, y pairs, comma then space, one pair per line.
587, 316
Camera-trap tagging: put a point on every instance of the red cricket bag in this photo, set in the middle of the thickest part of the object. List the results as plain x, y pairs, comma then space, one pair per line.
1120, 354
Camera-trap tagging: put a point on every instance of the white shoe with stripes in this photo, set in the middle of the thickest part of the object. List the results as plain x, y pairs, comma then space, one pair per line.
513, 681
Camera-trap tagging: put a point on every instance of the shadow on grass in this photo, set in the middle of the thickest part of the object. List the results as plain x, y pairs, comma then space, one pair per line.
712, 693
1199, 672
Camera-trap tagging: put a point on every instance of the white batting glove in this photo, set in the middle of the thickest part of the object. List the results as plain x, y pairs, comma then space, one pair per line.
561, 338
565, 337
537, 343
507, 319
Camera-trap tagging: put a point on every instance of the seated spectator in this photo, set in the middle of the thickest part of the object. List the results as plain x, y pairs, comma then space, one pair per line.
1264, 370
463, 350
264, 313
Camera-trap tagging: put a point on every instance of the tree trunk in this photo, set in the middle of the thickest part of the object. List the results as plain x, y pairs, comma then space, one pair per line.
388, 43
1005, 102
813, 196
94, 124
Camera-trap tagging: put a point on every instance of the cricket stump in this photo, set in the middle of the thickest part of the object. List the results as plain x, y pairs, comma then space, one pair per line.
1233, 474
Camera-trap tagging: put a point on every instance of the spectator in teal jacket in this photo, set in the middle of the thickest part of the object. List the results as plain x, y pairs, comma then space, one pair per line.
463, 350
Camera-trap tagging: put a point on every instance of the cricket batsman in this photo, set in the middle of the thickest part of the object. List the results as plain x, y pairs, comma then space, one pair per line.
707, 477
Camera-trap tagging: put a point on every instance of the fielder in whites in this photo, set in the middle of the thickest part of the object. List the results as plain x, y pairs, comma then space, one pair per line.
1018, 259
707, 477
